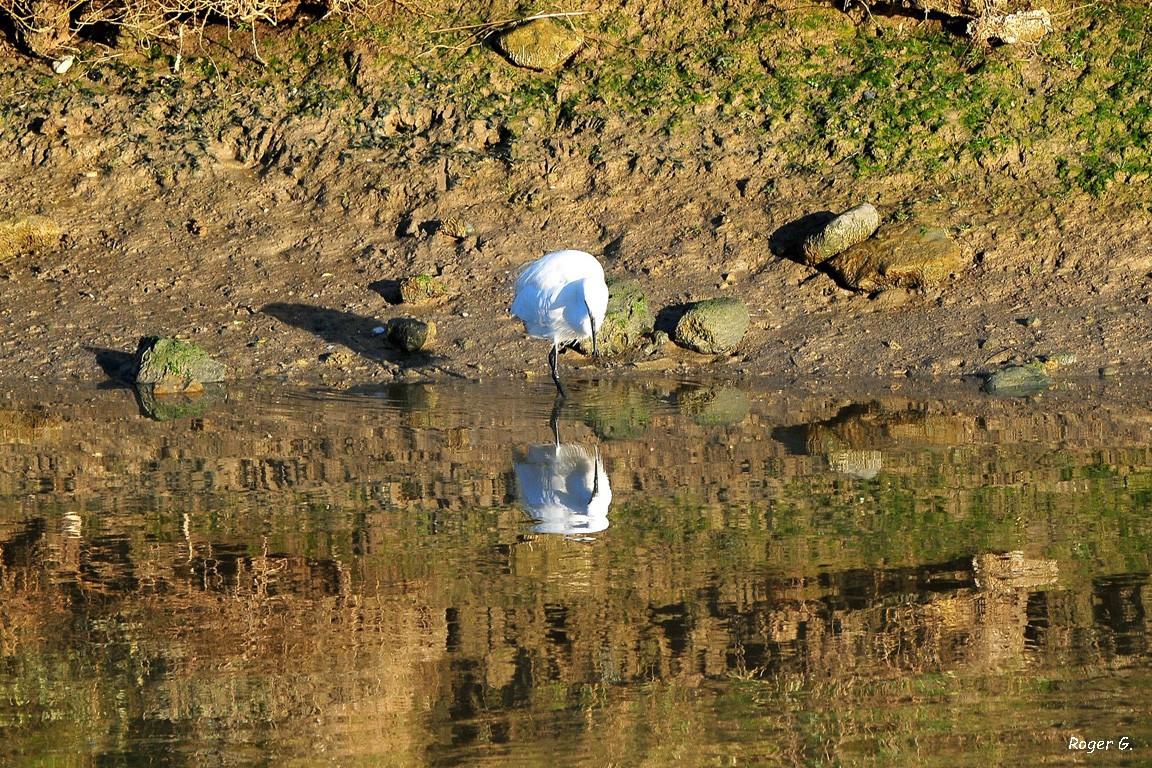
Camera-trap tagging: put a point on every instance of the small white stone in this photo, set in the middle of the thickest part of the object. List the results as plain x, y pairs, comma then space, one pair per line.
60, 66
379, 329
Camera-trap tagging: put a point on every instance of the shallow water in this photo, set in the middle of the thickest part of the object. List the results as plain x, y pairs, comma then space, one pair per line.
695, 575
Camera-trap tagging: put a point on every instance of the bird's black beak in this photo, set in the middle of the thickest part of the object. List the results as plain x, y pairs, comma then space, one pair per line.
592, 322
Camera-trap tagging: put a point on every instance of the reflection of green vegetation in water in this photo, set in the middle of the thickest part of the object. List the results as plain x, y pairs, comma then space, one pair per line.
616, 412
354, 584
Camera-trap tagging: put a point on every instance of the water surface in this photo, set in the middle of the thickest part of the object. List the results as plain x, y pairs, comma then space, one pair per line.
678, 574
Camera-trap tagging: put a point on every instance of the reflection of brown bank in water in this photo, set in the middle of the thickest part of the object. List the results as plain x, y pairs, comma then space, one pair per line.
357, 574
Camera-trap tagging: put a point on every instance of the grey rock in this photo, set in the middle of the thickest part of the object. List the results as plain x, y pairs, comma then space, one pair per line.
846, 230
712, 326
410, 334
1019, 380
173, 365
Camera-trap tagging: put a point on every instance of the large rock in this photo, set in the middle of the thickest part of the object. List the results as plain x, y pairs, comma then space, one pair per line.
712, 326
900, 256
846, 230
171, 365
541, 44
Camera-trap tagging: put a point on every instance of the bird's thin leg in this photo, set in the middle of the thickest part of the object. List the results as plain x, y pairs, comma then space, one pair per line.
554, 420
552, 364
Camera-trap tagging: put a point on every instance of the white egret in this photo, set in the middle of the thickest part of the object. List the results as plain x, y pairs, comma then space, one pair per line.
562, 296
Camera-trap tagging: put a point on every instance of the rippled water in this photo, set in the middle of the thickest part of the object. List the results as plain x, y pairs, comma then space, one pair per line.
677, 574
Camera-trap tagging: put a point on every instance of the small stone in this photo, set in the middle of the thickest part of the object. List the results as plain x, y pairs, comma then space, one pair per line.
419, 289
849, 228
1030, 322
540, 44
660, 338
712, 326
62, 65
410, 334
174, 365
1108, 371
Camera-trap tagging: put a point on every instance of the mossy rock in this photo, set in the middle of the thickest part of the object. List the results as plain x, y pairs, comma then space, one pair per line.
541, 44
1019, 380
174, 365
902, 256
626, 321
712, 326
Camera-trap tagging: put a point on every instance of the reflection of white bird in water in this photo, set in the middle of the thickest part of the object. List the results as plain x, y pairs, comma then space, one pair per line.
562, 296
564, 488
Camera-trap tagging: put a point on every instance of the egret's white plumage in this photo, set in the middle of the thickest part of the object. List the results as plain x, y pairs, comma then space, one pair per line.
562, 297
564, 489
